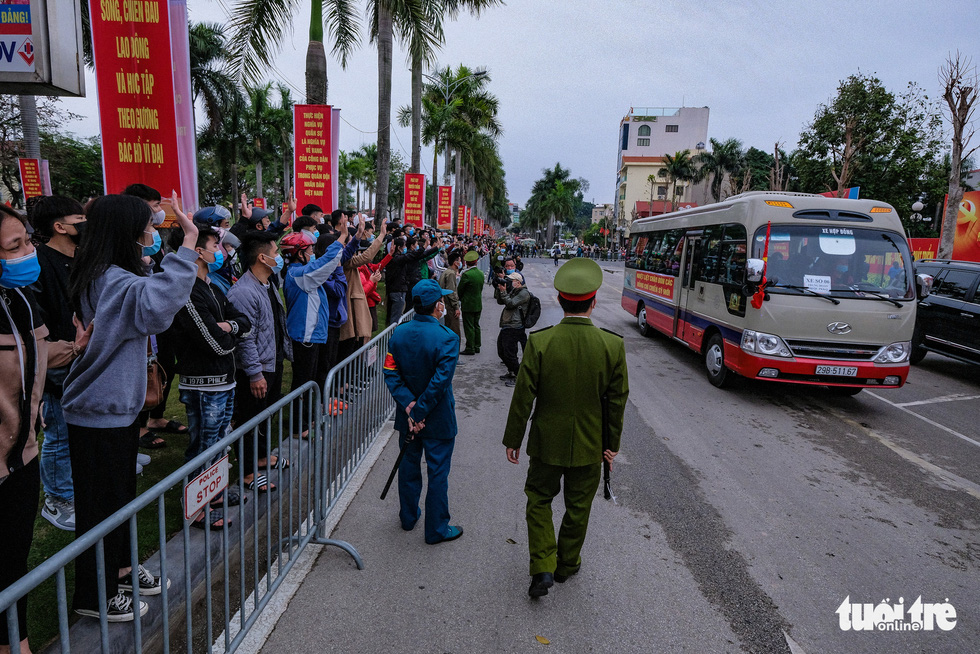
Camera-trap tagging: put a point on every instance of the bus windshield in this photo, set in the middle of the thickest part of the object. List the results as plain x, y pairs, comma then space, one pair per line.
845, 262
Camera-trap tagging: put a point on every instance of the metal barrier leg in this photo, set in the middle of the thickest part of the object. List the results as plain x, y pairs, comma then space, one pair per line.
344, 545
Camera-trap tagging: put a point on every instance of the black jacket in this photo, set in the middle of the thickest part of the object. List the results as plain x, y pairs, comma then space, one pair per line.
399, 273
206, 354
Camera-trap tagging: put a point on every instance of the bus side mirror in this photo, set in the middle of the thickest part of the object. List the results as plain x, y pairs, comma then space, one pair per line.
753, 270
923, 285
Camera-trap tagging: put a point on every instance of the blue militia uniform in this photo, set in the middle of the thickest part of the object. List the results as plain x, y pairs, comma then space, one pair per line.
419, 367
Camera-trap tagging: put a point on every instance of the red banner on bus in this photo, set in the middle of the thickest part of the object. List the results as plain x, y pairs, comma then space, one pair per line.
312, 147
655, 284
444, 208
134, 77
415, 199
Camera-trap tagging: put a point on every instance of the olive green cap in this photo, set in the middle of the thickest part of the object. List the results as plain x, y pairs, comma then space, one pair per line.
578, 279
471, 256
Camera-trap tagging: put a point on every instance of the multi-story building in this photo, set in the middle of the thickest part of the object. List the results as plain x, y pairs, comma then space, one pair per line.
646, 134
601, 211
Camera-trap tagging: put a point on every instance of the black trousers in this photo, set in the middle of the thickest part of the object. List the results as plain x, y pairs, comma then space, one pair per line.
328, 358
103, 463
507, 342
306, 361
18, 510
247, 406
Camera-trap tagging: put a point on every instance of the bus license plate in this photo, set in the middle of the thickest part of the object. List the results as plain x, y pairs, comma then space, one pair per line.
837, 371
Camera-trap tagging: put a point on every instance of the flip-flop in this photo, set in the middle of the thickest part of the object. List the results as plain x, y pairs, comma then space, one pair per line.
260, 484
150, 441
234, 498
281, 463
173, 427
217, 515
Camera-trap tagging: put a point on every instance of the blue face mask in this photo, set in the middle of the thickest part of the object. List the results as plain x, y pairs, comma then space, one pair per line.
842, 267
411, 231
312, 257
404, 250
278, 266
19, 272
150, 250
371, 239
510, 270
219, 260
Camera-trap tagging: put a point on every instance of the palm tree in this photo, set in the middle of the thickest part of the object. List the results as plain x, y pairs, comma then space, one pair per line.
677, 168
259, 27
210, 80
725, 158
545, 204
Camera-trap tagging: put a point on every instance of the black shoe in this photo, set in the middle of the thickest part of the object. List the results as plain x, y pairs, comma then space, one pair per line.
560, 578
540, 583
468, 352
510, 383
508, 376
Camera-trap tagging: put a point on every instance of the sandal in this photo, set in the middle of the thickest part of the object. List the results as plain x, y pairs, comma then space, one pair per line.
260, 484
234, 498
217, 515
150, 441
281, 463
173, 427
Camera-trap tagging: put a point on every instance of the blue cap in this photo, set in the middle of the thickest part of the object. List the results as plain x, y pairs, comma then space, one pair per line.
428, 292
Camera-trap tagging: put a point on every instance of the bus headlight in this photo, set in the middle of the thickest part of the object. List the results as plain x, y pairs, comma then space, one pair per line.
762, 343
894, 353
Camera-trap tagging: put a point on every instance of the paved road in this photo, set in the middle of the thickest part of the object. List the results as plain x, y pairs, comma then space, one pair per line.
745, 518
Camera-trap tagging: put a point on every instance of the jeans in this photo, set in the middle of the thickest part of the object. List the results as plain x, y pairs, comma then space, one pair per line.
208, 418
396, 307
55, 459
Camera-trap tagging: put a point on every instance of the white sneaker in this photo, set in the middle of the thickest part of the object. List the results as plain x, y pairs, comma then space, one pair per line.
59, 513
120, 609
142, 459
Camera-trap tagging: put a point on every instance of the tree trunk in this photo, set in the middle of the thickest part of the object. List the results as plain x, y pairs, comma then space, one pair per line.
417, 117
28, 121
384, 110
234, 179
435, 183
259, 193
316, 58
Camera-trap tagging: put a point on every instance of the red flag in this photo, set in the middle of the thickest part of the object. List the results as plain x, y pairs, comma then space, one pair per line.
760, 294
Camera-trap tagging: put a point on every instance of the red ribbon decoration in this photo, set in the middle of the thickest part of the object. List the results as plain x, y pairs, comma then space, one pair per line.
760, 295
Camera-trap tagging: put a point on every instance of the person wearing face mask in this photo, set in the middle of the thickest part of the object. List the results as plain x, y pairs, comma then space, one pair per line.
515, 299
58, 221
307, 305
449, 280
106, 386
418, 369
208, 328
153, 199
510, 268
25, 355
260, 355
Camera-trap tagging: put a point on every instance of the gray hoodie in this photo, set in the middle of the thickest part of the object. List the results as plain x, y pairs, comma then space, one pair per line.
106, 386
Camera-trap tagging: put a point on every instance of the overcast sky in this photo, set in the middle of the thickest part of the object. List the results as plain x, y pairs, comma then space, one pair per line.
567, 71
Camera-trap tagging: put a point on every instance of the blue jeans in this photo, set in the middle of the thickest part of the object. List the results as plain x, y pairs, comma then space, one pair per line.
208, 418
396, 307
438, 459
55, 459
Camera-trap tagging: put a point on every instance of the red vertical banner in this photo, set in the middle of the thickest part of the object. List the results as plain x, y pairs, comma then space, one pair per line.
30, 177
258, 203
184, 105
444, 217
415, 199
134, 78
313, 133
469, 221
461, 220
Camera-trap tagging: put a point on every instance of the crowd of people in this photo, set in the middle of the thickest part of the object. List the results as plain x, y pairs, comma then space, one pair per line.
93, 293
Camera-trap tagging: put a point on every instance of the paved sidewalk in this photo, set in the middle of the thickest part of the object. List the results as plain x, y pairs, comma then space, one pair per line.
633, 593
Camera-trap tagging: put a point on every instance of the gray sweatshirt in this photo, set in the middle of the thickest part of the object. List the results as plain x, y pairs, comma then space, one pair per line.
106, 386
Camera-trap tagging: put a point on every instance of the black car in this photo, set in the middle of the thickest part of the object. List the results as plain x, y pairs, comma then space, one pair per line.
948, 319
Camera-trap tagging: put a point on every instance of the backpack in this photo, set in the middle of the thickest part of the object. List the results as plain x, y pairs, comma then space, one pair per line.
530, 318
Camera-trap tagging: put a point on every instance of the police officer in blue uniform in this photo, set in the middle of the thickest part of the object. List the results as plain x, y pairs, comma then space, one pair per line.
419, 369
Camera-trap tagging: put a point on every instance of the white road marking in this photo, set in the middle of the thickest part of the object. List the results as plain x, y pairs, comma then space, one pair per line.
924, 419
794, 647
956, 397
953, 479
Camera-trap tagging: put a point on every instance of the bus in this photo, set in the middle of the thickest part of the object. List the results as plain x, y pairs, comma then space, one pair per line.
836, 305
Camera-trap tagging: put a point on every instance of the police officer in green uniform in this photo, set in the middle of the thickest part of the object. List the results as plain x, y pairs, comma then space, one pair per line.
470, 292
567, 369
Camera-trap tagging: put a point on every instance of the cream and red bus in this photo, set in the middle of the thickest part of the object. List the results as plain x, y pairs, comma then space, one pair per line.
837, 303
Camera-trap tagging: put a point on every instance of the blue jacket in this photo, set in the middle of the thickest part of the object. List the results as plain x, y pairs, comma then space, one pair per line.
307, 303
419, 367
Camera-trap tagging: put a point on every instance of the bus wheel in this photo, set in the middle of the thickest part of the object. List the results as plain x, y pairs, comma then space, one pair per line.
641, 320
918, 352
714, 362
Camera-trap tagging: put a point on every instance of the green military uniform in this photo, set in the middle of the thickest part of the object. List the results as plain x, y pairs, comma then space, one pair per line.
566, 370
470, 291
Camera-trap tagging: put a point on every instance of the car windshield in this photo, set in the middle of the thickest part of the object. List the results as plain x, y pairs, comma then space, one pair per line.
837, 261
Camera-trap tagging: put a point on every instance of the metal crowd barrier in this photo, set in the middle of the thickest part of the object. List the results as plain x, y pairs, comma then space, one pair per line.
245, 563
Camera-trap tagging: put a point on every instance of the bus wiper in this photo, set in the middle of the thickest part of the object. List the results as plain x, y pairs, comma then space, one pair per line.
806, 290
877, 296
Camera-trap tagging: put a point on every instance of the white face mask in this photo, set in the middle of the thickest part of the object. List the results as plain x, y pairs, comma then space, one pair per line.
442, 311
159, 217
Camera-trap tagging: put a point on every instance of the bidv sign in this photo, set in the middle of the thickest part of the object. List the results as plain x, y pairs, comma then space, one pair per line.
920, 616
16, 46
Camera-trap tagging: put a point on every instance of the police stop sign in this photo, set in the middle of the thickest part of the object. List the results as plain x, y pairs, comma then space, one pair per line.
205, 487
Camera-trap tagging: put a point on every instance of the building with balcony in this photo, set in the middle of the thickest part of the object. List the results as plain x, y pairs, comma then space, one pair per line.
646, 134
601, 211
